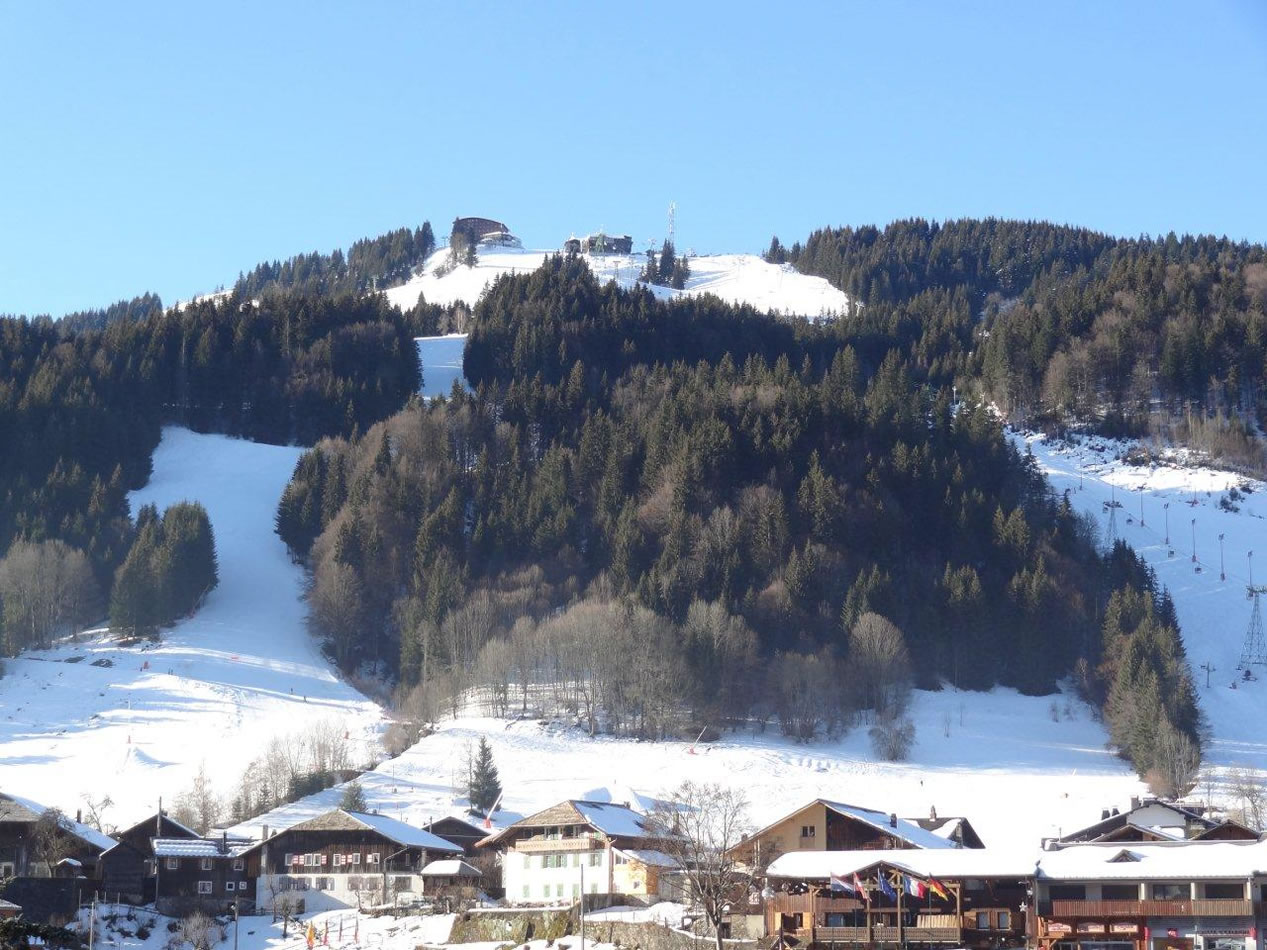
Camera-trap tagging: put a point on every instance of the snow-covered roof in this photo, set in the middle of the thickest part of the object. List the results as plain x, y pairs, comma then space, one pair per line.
900, 828
406, 835
617, 821
939, 862
198, 848
16, 805
650, 857
451, 867
1181, 860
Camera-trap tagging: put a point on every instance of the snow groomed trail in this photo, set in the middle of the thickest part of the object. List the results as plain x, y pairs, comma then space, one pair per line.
138, 722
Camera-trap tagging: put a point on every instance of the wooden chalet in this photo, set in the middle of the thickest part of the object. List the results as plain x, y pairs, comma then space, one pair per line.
208, 874
77, 841
468, 834
451, 880
823, 825
1153, 820
584, 847
344, 859
973, 898
1172, 895
957, 830
127, 869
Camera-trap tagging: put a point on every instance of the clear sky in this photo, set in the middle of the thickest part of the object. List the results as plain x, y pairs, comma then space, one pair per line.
167, 146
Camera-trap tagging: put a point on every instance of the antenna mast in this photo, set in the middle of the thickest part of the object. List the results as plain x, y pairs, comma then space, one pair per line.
672, 215
1255, 650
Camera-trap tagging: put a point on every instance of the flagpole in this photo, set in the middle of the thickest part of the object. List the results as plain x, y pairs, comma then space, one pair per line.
901, 886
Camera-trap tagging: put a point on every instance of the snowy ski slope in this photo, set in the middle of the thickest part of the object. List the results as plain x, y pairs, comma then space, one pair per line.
1213, 613
136, 723
737, 278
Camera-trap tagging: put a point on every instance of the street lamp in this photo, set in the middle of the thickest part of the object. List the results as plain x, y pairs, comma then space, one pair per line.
1222, 573
1194, 540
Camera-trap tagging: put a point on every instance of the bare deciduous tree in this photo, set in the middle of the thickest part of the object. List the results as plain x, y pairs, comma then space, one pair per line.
880, 665
703, 826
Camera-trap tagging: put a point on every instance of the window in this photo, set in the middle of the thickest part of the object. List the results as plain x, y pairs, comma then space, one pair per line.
310, 860
807, 831
576, 891
230, 886
290, 859
356, 858
558, 890
325, 883
596, 859
983, 920
173, 864
576, 859
527, 861
204, 887
239, 864
403, 883
205, 864
372, 857
1229, 890
1067, 892
1119, 892
338, 860
1170, 892
619, 858
525, 892
1005, 920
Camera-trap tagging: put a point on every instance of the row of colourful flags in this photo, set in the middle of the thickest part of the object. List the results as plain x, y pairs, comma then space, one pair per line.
912, 885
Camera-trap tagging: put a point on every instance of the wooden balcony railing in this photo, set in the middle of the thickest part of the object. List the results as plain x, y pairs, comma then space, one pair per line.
553, 845
1174, 908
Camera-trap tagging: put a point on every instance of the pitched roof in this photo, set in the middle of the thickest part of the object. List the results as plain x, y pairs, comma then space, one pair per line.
650, 857
955, 828
151, 820
198, 848
615, 821
939, 862
397, 831
451, 867
16, 808
1113, 822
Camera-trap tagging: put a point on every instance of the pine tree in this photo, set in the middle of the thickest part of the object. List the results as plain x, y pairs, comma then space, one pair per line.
354, 798
485, 786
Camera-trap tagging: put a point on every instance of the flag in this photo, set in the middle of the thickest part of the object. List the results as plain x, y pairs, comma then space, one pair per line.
915, 887
838, 883
340, 931
885, 887
325, 937
860, 889
311, 935
356, 932
936, 887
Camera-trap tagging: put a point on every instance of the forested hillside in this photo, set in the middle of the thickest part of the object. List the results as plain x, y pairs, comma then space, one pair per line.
694, 513
1165, 336
80, 412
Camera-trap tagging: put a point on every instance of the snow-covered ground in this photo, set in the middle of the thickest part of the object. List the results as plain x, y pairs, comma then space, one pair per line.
1213, 612
441, 359
738, 278
137, 722
1002, 759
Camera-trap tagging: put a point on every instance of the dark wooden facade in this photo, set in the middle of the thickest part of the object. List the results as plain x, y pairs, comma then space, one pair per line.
127, 869
460, 832
205, 874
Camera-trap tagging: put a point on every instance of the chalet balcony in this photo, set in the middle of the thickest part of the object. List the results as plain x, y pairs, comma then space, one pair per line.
555, 845
1062, 909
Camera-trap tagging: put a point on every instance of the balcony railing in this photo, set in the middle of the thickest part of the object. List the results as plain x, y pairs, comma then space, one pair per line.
1160, 908
553, 845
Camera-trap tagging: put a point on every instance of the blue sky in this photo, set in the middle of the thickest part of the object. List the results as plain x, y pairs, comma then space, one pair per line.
167, 146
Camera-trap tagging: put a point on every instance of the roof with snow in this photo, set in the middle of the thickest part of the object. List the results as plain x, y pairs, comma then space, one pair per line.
18, 809
1182, 860
152, 821
899, 828
957, 829
402, 834
1165, 819
941, 862
614, 821
451, 867
198, 848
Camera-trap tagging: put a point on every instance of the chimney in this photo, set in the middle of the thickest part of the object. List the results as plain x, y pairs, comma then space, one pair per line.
79, 815
932, 813
1104, 813
224, 842
1134, 802
893, 820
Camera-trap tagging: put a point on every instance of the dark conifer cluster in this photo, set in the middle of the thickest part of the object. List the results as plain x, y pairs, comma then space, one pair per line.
667, 269
170, 568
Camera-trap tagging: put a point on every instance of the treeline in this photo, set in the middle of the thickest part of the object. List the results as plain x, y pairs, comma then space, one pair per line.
170, 568
370, 264
650, 462
1058, 324
80, 414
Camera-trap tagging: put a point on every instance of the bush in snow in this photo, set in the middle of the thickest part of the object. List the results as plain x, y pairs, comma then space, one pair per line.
892, 738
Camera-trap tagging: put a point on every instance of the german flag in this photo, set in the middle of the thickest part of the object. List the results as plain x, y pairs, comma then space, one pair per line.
938, 888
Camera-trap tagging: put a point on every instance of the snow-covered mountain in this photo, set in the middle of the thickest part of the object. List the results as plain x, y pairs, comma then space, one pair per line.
737, 278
